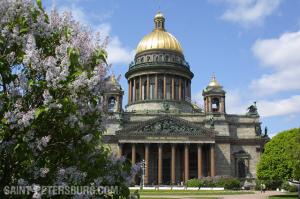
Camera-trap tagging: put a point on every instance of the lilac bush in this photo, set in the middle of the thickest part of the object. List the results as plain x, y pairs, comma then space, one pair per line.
51, 77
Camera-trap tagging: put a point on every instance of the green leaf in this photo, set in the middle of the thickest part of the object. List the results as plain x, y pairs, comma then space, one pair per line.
30, 82
4, 120
101, 55
39, 111
39, 3
24, 30
16, 147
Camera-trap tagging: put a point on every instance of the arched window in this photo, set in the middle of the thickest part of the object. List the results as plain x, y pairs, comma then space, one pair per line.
148, 58
166, 58
111, 104
160, 88
144, 89
215, 104
169, 87
176, 89
152, 86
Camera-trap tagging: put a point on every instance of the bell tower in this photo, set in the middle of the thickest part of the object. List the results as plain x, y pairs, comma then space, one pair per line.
214, 97
112, 95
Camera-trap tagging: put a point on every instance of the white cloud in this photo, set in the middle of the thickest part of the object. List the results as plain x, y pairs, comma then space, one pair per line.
249, 12
234, 103
282, 56
288, 106
117, 52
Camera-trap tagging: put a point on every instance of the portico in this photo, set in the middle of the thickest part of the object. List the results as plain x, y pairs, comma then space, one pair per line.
173, 149
172, 163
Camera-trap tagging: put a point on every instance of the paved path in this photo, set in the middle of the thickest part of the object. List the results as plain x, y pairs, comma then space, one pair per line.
257, 195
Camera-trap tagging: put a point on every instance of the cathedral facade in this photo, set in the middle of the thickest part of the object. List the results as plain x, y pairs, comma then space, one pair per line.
175, 138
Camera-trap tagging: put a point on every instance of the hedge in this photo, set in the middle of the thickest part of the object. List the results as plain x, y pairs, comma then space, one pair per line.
226, 182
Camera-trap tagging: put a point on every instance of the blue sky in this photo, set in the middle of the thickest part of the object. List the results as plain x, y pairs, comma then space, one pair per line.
253, 47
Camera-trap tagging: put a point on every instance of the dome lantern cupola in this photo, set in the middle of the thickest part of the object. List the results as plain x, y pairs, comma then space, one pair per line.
159, 21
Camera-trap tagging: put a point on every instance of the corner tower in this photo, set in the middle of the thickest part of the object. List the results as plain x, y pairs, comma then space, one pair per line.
159, 74
214, 97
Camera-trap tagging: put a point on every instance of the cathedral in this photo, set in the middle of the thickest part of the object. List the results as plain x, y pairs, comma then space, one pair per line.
176, 139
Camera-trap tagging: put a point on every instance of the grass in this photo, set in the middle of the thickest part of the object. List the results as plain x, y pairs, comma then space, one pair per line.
287, 196
189, 198
189, 192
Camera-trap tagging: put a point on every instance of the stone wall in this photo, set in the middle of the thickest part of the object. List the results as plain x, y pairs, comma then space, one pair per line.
254, 157
223, 161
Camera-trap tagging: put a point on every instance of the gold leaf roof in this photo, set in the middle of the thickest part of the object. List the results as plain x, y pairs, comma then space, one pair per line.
159, 38
213, 82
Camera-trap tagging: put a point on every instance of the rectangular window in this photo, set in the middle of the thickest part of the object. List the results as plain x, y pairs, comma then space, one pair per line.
176, 89
169, 87
152, 86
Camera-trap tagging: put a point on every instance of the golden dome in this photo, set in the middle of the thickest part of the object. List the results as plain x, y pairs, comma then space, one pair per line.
159, 38
213, 82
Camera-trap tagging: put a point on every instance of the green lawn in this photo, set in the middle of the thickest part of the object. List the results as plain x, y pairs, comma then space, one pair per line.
190, 198
190, 192
164, 194
287, 196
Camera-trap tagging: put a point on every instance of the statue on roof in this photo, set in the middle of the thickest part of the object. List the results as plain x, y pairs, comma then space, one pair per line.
266, 132
252, 110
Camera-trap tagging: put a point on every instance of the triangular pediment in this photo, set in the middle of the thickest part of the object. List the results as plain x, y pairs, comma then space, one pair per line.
167, 125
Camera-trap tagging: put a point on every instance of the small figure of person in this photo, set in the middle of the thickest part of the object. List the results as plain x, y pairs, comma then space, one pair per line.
264, 188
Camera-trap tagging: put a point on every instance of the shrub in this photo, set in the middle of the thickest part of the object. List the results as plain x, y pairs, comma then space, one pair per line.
226, 182
232, 183
293, 188
289, 187
193, 183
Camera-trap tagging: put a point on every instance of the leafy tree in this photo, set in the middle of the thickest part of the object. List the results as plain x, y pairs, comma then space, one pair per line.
51, 77
281, 159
